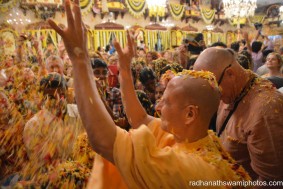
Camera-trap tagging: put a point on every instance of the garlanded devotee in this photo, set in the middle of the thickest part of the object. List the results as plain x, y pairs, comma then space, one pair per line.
140, 161
249, 118
49, 140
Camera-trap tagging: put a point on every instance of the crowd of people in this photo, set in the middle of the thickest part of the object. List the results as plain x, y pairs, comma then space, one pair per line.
133, 118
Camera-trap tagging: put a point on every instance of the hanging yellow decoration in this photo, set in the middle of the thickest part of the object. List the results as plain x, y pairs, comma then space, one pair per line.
207, 15
7, 5
257, 19
230, 37
176, 10
104, 6
156, 11
174, 38
115, 5
86, 6
235, 21
136, 7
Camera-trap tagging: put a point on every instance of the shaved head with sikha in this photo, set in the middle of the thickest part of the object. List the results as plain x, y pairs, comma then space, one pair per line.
188, 103
199, 92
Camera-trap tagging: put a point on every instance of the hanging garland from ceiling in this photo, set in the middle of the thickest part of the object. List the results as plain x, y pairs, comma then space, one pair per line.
157, 11
86, 6
207, 15
6, 5
176, 10
136, 7
257, 19
235, 21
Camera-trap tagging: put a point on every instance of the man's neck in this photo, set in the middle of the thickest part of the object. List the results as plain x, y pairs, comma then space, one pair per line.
274, 72
197, 137
195, 133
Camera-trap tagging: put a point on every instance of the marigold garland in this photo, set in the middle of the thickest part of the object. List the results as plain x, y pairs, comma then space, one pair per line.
207, 15
209, 76
176, 10
86, 6
157, 11
235, 21
136, 7
257, 19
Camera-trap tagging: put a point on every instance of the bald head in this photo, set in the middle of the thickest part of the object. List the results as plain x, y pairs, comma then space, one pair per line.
198, 91
215, 60
188, 103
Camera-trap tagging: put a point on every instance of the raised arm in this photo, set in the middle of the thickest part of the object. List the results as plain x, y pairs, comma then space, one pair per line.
135, 112
246, 37
100, 127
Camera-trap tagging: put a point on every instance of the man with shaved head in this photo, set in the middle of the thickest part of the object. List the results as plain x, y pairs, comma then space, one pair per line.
249, 119
139, 155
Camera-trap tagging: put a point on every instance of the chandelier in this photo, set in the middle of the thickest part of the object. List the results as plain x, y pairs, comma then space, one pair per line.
156, 8
239, 8
16, 18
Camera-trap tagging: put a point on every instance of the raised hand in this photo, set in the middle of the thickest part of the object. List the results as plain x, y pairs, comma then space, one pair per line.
126, 54
74, 35
245, 34
183, 55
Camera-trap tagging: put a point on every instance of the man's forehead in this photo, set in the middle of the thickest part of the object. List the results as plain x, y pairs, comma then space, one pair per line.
174, 87
175, 82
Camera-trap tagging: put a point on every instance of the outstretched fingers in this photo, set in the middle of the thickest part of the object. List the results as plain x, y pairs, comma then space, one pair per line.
130, 43
55, 27
84, 35
134, 42
78, 18
70, 18
118, 47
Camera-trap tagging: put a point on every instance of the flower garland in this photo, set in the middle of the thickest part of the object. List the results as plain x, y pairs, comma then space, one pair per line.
82, 151
238, 169
257, 19
234, 21
86, 6
136, 7
176, 10
7, 5
201, 74
207, 15
156, 11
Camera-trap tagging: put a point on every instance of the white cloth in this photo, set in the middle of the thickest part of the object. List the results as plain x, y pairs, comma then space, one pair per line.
72, 110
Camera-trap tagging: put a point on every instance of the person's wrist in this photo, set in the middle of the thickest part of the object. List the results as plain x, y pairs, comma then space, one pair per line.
80, 60
78, 54
124, 70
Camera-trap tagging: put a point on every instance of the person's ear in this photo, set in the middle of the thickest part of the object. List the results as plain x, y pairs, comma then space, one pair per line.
192, 114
